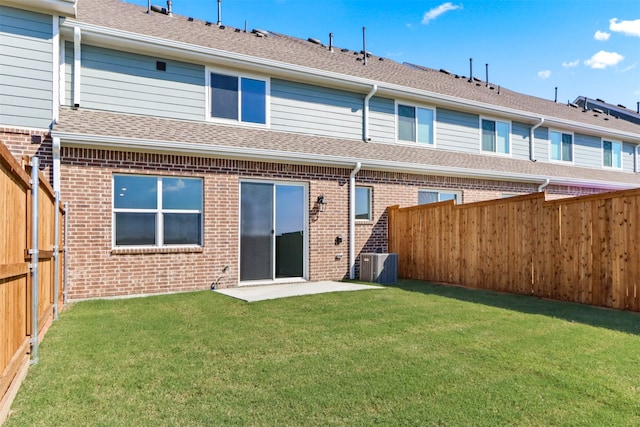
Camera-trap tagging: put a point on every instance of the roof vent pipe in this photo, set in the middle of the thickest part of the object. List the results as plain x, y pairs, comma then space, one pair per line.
169, 4
149, 7
470, 70
330, 42
638, 107
556, 97
219, 13
486, 69
364, 44
246, 23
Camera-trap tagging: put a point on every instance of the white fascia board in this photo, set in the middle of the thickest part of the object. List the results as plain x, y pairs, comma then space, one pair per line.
63, 7
201, 150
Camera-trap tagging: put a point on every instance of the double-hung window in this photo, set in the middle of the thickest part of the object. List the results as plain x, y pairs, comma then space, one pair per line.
496, 136
238, 98
431, 196
612, 154
363, 203
561, 146
415, 124
156, 211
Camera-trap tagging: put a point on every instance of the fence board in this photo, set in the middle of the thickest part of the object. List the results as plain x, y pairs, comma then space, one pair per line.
581, 249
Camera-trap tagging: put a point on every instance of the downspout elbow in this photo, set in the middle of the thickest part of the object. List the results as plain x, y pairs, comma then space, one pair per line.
542, 186
365, 113
532, 155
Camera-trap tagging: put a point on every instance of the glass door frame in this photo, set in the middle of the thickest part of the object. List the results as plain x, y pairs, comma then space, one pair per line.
305, 259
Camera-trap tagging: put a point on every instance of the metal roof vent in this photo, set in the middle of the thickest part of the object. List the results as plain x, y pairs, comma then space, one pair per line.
443, 71
260, 33
314, 41
571, 104
597, 110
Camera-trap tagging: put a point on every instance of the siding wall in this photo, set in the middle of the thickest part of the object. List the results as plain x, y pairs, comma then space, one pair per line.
587, 151
458, 131
628, 157
382, 121
520, 140
541, 141
129, 83
303, 108
26, 70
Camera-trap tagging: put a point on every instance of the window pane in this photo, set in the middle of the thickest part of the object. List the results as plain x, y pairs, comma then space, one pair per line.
182, 193
254, 101
555, 145
448, 196
606, 152
182, 229
363, 203
617, 155
488, 135
425, 125
224, 96
425, 197
503, 137
136, 229
406, 123
567, 149
135, 192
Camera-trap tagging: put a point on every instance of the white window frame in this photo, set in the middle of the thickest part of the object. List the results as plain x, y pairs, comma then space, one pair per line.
158, 211
573, 147
509, 141
433, 124
439, 191
267, 100
370, 189
621, 167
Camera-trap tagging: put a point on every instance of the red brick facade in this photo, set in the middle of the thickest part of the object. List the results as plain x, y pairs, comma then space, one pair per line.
98, 270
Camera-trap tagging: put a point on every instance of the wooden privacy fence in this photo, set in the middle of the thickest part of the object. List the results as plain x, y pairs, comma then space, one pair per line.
30, 265
584, 249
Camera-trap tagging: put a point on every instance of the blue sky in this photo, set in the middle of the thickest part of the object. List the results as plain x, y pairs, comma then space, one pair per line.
584, 47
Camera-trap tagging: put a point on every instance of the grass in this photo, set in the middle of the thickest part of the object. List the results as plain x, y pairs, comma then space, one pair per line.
412, 355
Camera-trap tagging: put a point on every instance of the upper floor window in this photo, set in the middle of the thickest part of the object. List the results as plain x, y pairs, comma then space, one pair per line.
612, 154
495, 136
363, 203
156, 211
415, 124
431, 196
561, 146
238, 98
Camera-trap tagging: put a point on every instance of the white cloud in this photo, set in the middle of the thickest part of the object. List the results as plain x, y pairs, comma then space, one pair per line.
602, 60
544, 74
601, 36
439, 10
628, 28
571, 64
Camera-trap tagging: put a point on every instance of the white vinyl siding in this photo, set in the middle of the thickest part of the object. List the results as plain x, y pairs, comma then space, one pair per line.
457, 131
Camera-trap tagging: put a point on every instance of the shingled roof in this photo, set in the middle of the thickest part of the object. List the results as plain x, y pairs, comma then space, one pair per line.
127, 17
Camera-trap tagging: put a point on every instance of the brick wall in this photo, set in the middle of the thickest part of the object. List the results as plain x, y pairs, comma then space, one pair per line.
97, 270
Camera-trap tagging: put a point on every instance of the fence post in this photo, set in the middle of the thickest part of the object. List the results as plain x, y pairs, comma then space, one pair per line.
35, 187
56, 257
66, 257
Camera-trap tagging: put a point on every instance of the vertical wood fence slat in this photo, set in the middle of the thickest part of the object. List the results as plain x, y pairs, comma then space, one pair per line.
15, 275
583, 249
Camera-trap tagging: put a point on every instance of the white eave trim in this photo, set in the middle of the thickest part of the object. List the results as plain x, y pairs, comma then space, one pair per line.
205, 55
242, 153
64, 7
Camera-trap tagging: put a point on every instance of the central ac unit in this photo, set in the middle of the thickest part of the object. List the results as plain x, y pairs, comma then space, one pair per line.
379, 268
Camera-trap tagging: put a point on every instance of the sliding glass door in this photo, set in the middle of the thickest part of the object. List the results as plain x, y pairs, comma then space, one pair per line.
272, 231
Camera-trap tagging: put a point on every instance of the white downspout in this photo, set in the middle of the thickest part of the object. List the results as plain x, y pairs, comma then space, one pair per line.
55, 152
365, 113
77, 73
352, 221
542, 186
532, 155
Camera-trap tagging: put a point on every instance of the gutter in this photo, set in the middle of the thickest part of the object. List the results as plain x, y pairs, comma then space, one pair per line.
365, 113
205, 55
352, 220
532, 151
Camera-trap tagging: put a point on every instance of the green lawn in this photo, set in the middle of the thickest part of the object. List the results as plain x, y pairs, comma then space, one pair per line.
412, 355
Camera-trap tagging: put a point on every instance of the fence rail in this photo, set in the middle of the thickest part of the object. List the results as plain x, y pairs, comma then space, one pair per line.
29, 276
583, 249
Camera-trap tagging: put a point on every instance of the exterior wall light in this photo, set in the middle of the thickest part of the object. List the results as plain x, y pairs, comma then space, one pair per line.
321, 202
